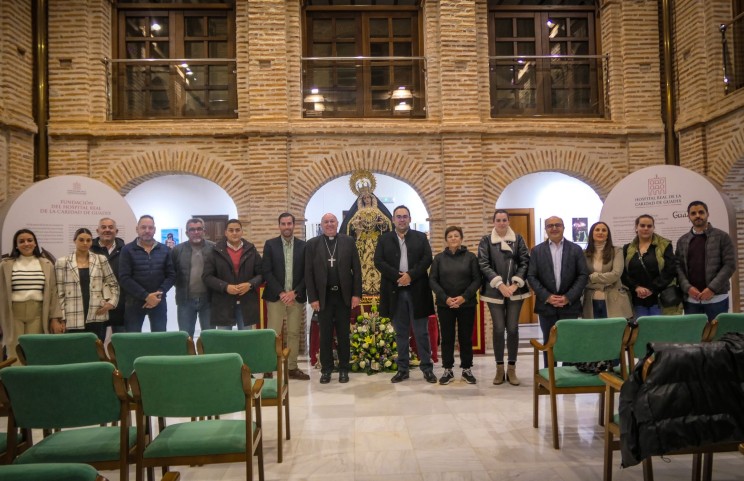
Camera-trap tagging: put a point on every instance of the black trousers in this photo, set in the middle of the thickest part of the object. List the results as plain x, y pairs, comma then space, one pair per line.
335, 314
464, 317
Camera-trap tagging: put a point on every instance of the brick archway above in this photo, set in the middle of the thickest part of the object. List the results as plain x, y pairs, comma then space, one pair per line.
730, 160
306, 181
133, 171
599, 176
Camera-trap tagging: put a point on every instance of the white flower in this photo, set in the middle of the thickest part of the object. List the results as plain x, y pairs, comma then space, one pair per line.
362, 364
365, 345
381, 343
388, 363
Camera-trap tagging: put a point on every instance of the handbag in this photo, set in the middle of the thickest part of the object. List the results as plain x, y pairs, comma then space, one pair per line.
671, 296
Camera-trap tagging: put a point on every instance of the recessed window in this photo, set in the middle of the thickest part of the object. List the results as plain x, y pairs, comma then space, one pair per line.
364, 60
543, 58
175, 60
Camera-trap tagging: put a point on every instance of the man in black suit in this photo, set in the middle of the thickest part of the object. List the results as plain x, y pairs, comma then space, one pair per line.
284, 272
558, 274
333, 276
403, 257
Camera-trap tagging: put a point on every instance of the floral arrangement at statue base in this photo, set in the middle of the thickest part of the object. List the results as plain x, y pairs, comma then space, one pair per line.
373, 346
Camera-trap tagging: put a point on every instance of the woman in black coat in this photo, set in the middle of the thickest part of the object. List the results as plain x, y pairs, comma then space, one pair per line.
455, 278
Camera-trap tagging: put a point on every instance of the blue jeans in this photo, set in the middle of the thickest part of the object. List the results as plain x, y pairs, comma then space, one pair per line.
600, 309
641, 311
134, 316
711, 310
187, 312
402, 321
238, 321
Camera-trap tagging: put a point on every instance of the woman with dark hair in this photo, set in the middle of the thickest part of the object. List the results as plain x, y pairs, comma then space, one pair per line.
604, 295
28, 292
86, 286
504, 258
455, 278
650, 267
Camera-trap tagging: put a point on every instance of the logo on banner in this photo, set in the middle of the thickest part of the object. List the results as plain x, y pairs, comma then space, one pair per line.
657, 195
77, 189
657, 186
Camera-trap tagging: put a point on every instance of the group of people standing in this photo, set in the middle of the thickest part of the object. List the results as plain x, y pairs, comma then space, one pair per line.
218, 284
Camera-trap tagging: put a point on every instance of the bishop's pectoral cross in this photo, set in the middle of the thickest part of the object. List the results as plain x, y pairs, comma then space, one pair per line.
331, 260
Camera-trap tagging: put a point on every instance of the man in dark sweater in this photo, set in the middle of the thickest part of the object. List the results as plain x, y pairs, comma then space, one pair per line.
706, 260
145, 273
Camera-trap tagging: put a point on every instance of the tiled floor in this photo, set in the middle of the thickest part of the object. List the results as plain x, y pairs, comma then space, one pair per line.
370, 429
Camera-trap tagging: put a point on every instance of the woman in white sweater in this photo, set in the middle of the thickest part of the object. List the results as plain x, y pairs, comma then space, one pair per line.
28, 293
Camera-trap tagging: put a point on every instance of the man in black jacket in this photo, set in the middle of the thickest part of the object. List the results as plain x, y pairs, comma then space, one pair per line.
284, 272
109, 246
233, 273
145, 274
333, 277
403, 257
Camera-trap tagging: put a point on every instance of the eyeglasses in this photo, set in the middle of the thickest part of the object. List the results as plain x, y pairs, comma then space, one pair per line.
196, 229
553, 226
401, 217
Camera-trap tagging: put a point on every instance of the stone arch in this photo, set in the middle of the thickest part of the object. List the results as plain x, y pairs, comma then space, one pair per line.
133, 171
598, 175
729, 161
306, 181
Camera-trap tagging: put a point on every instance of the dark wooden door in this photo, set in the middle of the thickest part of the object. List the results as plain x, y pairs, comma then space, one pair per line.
214, 226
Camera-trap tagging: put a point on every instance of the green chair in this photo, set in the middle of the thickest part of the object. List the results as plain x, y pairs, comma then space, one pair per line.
20, 437
126, 347
728, 322
197, 386
677, 329
51, 349
50, 472
83, 396
683, 328
261, 350
574, 341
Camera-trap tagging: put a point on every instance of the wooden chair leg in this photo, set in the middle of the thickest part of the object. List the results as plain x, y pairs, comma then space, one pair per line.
697, 461
707, 466
648, 469
607, 475
554, 419
601, 420
535, 399
286, 416
280, 430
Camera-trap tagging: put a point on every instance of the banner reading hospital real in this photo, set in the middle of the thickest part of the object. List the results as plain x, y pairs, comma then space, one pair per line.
664, 192
55, 208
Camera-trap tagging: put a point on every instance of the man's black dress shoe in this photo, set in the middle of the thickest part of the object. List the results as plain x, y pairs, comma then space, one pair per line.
430, 377
325, 378
399, 376
343, 376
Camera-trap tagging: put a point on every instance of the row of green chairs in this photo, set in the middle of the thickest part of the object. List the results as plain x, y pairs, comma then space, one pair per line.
574, 341
261, 350
92, 397
679, 332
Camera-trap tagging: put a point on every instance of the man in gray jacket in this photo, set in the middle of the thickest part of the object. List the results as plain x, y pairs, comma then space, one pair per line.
192, 295
706, 260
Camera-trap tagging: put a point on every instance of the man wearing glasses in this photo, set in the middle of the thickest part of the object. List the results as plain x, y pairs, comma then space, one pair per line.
403, 257
558, 274
192, 295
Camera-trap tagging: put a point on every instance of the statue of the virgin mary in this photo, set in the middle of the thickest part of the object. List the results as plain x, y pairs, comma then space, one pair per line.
366, 221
